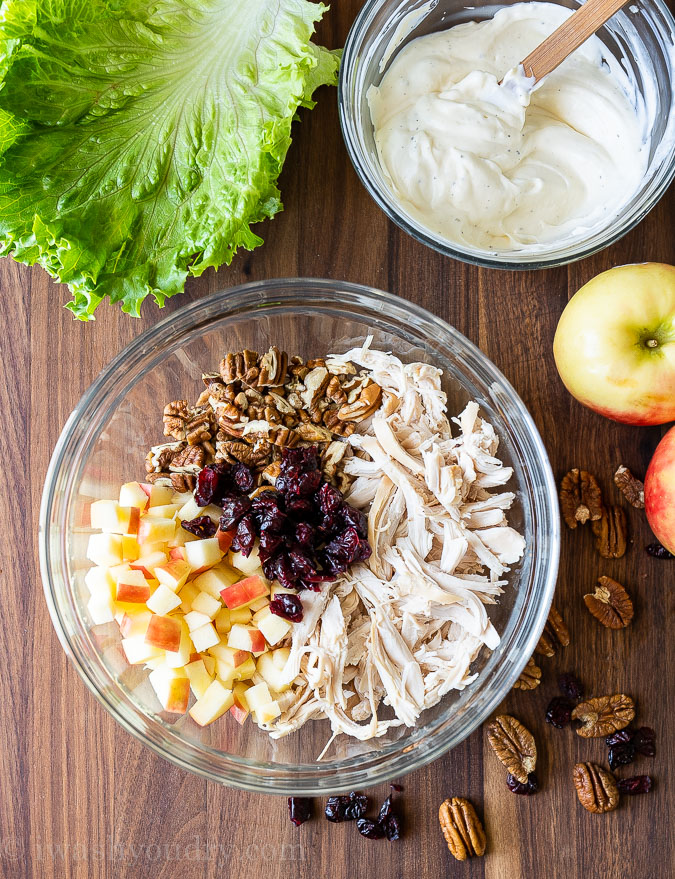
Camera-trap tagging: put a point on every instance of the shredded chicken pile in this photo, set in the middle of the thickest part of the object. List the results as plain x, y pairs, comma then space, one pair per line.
403, 629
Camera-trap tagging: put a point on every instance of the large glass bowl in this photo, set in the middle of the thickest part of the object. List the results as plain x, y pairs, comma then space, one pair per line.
642, 35
104, 444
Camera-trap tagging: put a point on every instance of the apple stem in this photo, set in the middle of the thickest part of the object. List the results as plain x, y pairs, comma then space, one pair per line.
652, 343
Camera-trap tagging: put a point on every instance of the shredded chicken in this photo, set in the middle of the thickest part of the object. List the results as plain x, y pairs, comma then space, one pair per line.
402, 630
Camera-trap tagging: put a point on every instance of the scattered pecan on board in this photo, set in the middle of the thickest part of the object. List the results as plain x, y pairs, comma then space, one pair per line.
610, 604
630, 486
603, 715
580, 498
514, 746
462, 828
555, 634
611, 533
596, 788
530, 676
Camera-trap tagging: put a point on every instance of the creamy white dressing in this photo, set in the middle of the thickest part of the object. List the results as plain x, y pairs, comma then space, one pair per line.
505, 168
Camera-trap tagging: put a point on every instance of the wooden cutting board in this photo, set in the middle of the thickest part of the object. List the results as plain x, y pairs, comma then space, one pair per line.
81, 798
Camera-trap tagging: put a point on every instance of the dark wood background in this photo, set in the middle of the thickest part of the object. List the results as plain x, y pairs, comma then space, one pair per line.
81, 798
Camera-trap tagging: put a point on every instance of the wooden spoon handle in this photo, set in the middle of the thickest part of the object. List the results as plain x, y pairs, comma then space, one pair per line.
569, 36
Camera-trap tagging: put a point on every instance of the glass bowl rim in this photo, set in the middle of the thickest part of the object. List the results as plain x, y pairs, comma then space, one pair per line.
381, 196
147, 350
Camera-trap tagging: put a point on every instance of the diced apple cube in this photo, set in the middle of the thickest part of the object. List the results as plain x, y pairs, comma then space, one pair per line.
173, 573
163, 600
147, 563
112, 518
281, 590
244, 592
215, 580
240, 615
259, 604
246, 670
214, 702
203, 554
271, 673
196, 620
240, 709
155, 529
199, 677
131, 548
204, 637
138, 651
222, 621
105, 549
248, 565
225, 538
186, 649
246, 638
274, 628
229, 655
258, 696
267, 713
99, 581
101, 609
133, 624
191, 510
163, 632
158, 494
132, 587
165, 511
206, 604
209, 664
132, 495
226, 673
187, 595
172, 688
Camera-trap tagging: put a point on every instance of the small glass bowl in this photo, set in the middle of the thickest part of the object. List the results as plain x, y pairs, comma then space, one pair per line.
104, 444
642, 33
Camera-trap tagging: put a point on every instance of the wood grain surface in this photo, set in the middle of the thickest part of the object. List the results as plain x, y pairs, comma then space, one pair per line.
81, 798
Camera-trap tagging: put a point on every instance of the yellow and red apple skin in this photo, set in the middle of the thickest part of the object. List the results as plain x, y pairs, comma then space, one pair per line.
660, 492
602, 344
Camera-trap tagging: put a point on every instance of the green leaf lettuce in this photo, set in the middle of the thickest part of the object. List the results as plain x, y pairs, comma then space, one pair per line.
140, 140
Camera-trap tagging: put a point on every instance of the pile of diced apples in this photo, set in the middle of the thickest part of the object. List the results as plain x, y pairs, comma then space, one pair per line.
190, 610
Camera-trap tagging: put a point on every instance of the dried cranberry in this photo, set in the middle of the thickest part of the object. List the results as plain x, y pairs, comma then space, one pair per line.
621, 754
282, 570
517, 787
304, 458
209, 483
242, 476
234, 508
270, 542
571, 686
559, 712
638, 784
305, 534
389, 820
644, 740
299, 507
287, 606
355, 519
268, 511
299, 810
329, 498
302, 565
619, 737
202, 526
346, 808
370, 829
346, 548
244, 536
658, 551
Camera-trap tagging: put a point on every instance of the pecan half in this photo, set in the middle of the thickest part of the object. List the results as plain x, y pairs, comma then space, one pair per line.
175, 416
183, 481
315, 383
611, 533
236, 367
631, 487
514, 745
596, 788
610, 604
555, 634
191, 459
273, 368
603, 715
580, 498
530, 676
199, 427
462, 828
365, 405
252, 456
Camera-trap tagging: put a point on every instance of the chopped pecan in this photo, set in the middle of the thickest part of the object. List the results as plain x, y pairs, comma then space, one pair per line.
284, 437
160, 457
252, 456
315, 383
631, 487
555, 634
183, 481
332, 456
270, 473
514, 745
313, 433
273, 368
336, 425
334, 391
610, 604
199, 426
227, 412
596, 788
530, 676
175, 416
235, 367
191, 459
580, 498
312, 363
281, 403
364, 406
461, 828
611, 533
603, 715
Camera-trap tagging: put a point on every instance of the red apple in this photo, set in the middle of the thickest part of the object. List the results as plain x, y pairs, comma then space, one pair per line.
660, 491
164, 633
244, 592
615, 344
177, 553
133, 592
225, 538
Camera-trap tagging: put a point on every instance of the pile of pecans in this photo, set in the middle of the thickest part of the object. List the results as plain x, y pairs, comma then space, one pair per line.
254, 406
